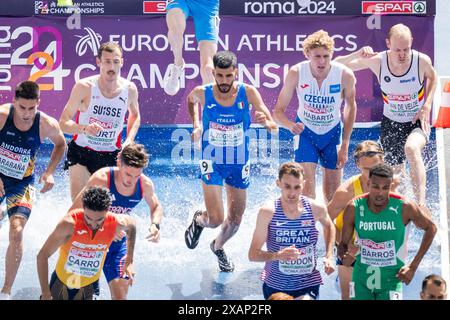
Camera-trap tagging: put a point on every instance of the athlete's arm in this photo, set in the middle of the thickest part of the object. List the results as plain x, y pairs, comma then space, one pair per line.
284, 98
339, 201
347, 230
262, 113
349, 92
134, 116
196, 96
362, 59
51, 130
329, 231
156, 210
99, 178
58, 237
260, 235
431, 77
127, 223
79, 93
412, 212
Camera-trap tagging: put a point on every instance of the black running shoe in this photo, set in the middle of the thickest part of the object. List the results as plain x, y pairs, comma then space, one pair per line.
225, 264
193, 232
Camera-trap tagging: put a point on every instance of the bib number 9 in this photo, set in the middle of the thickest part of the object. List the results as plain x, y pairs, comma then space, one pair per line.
206, 166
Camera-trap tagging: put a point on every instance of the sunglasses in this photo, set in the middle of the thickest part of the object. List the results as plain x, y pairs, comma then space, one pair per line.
367, 154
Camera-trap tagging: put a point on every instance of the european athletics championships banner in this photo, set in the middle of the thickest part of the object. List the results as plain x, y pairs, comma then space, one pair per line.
56, 46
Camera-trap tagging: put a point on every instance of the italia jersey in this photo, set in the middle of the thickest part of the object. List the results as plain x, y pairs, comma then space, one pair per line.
404, 95
319, 107
224, 138
109, 114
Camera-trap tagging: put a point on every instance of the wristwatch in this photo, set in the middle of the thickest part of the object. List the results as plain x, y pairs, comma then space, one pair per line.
157, 225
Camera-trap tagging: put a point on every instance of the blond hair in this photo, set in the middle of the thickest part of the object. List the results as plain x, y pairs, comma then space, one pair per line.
399, 30
318, 39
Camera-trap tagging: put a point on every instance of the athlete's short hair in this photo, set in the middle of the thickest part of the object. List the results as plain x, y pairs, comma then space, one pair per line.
134, 155
435, 279
382, 170
318, 39
224, 60
280, 296
109, 47
28, 90
96, 198
399, 30
368, 148
290, 168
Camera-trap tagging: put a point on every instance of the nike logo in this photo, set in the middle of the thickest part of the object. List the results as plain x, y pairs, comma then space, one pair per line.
9, 133
304, 86
279, 224
80, 232
133, 200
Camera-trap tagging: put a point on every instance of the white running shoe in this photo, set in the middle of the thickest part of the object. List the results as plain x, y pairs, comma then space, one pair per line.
5, 296
172, 82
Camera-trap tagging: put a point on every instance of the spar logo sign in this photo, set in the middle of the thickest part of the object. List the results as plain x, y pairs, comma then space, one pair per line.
153, 7
394, 7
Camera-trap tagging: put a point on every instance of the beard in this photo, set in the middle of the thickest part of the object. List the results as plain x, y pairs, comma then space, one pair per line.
224, 88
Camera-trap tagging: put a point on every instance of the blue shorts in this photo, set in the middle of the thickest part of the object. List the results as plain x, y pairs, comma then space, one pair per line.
19, 195
115, 260
313, 292
205, 14
318, 148
235, 175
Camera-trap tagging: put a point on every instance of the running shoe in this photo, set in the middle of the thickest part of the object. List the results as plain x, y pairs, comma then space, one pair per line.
193, 232
172, 82
225, 264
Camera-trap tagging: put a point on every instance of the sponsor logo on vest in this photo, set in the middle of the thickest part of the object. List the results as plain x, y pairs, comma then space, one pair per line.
387, 79
80, 232
408, 80
335, 88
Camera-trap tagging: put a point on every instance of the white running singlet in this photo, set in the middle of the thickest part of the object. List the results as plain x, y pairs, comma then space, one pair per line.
403, 96
319, 108
109, 114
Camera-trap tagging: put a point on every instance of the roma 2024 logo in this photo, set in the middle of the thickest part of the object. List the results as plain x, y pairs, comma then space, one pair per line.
28, 42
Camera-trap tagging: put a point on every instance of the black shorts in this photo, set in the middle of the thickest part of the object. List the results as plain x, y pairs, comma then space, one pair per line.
62, 292
92, 160
393, 138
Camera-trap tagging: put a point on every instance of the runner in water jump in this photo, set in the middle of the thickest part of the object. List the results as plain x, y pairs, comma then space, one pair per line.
288, 227
128, 185
99, 104
22, 130
405, 126
225, 143
321, 86
380, 219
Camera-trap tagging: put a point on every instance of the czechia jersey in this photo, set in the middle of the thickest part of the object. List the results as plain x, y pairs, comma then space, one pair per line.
109, 114
319, 108
404, 95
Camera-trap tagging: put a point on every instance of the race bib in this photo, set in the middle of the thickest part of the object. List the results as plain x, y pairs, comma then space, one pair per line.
12, 164
206, 166
84, 263
375, 254
305, 264
221, 135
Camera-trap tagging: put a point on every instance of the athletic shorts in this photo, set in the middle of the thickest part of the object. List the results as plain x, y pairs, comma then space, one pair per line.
339, 262
92, 160
318, 148
205, 14
313, 292
62, 292
393, 138
19, 195
360, 291
115, 260
235, 175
